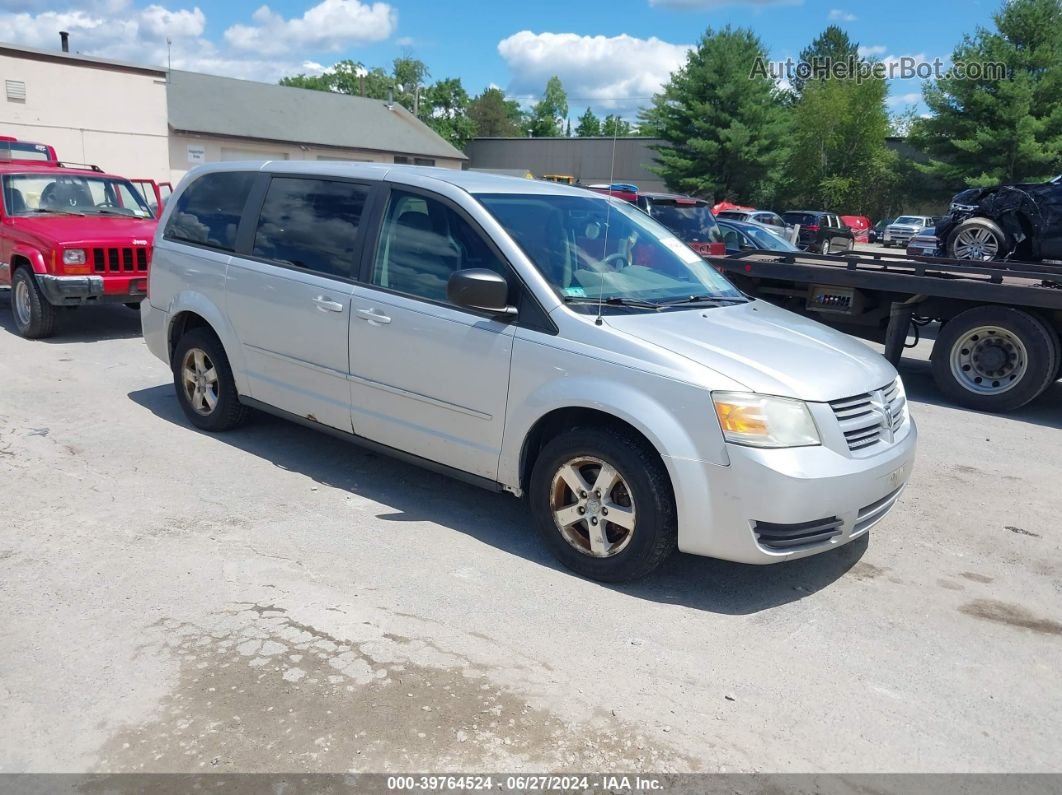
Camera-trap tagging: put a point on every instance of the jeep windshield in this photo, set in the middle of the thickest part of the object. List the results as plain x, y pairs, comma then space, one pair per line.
71, 194
594, 249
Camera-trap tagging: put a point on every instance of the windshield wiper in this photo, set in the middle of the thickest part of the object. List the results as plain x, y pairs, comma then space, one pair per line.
720, 300
612, 300
114, 211
51, 211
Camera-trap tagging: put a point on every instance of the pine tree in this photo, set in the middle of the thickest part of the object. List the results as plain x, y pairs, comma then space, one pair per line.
724, 127
986, 131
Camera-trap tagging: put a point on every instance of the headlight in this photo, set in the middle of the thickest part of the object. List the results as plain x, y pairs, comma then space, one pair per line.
764, 421
74, 256
962, 208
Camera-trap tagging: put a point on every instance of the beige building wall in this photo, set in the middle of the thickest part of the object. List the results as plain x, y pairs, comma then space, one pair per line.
110, 117
187, 151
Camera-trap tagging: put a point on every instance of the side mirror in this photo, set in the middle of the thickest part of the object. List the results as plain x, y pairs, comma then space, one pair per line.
480, 289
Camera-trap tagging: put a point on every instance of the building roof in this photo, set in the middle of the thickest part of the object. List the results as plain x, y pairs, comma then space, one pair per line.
75, 59
201, 103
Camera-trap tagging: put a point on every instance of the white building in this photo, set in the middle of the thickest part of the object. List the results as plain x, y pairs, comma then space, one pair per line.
146, 122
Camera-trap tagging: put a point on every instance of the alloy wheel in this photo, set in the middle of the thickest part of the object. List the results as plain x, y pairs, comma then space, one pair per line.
199, 378
592, 507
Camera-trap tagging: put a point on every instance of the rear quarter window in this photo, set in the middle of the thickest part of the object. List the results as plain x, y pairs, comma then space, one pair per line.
208, 211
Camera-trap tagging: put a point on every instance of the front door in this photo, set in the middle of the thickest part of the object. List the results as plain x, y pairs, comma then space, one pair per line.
427, 377
289, 296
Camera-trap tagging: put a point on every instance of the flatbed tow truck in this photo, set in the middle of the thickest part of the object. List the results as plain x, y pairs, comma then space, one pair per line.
998, 346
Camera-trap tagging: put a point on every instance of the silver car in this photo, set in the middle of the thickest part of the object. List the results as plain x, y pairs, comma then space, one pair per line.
530, 338
904, 228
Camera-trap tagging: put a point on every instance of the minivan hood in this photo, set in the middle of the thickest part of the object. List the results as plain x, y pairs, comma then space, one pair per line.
90, 230
767, 349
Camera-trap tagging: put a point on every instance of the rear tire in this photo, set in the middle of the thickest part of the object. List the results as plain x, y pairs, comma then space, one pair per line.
994, 358
205, 386
824, 247
640, 532
34, 316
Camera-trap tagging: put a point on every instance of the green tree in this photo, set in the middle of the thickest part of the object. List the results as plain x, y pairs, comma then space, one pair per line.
839, 159
724, 128
614, 126
589, 125
548, 114
985, 131
410, 77
829, 47
495, 116
445, 108
346, 77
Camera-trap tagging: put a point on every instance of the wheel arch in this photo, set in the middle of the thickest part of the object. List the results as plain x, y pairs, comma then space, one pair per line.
190, 310
23, 256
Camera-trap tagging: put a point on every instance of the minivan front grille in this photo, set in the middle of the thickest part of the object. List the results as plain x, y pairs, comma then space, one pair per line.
119, 260
872, 417
785, 537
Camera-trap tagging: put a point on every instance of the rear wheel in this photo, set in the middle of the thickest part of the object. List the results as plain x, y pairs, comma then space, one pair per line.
824, 247
203, 378
977, 239
603, 503
994, 358
34, 316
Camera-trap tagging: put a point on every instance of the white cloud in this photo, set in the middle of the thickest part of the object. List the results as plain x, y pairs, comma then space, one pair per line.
125, 30
708, 4
904, 99
617, 73
405, 41
872, 51
329, 25
840, 15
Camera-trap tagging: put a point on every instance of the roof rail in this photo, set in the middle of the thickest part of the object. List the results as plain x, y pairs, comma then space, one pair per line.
89, 166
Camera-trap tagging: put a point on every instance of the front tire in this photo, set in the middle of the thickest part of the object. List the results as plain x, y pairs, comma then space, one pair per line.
824, 247
34, 316
205, 386
603, 503
977, 239
994, 358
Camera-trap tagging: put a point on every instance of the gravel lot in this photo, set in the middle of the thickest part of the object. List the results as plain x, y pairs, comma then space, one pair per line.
277, 600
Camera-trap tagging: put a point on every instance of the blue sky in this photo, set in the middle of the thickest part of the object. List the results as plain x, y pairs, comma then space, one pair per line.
611, 54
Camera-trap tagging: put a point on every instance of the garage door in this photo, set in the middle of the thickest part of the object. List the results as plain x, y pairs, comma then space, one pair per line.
232, 153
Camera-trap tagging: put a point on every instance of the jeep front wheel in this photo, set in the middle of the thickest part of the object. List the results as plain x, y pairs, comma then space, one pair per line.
34, 316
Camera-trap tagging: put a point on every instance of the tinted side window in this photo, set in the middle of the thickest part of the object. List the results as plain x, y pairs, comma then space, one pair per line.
208, 212
311, 224
422, 242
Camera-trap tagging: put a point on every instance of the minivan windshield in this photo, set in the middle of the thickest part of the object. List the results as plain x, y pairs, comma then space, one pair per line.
71, 194
593, 249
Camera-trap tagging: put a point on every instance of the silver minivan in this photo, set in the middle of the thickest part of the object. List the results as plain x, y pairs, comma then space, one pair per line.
532, 338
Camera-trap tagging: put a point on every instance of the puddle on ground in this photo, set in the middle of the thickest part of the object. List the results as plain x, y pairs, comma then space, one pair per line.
260, 692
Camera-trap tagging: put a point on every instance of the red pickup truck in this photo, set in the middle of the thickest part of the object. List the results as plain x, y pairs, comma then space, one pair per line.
69, 236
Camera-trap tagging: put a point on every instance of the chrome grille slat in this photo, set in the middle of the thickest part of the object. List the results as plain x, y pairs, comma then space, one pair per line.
862, 418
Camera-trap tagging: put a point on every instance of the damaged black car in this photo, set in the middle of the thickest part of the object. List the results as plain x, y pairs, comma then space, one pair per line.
1020, 222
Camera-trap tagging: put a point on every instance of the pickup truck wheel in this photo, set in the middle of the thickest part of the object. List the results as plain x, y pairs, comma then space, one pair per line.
34, 316
603, 503
977, 239
994, 358
203, 378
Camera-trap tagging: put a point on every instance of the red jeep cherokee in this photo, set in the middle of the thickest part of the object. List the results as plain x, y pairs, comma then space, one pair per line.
70, 236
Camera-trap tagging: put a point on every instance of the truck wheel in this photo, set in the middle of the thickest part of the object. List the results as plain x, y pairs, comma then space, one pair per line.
603, 503
34, 316
994, 358
977, 239
203, 378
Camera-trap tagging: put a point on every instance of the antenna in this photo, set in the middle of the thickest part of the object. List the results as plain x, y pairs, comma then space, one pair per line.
608, 215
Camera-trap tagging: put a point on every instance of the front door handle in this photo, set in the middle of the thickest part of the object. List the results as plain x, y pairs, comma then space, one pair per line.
327, 305
374, 317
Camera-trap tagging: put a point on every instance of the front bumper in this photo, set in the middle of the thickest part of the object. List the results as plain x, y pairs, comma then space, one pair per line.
761, 507
76, 290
